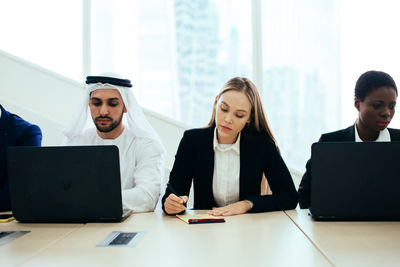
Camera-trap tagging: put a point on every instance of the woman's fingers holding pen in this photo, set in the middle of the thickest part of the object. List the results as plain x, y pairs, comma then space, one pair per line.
174, 204
181, 199
185, 199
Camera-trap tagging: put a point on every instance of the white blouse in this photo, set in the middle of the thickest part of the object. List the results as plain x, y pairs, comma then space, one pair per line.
226, 172
384, 135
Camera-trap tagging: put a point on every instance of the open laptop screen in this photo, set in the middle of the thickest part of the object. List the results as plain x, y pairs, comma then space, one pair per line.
355, 181
65, 184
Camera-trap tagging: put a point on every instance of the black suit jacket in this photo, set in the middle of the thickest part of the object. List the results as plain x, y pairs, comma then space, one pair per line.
258, 154
14, 131
345, 135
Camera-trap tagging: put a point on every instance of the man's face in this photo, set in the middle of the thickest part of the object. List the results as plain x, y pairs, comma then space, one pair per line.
107, 108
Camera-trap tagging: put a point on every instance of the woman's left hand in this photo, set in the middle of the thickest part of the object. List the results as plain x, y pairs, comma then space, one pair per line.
232, 209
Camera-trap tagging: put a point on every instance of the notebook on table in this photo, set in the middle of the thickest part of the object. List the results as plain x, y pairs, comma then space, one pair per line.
69, 184
355, 181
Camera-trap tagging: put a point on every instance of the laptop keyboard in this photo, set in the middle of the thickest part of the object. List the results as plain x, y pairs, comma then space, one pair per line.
123, 239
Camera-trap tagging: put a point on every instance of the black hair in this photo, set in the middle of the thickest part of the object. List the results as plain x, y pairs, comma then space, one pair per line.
372, 80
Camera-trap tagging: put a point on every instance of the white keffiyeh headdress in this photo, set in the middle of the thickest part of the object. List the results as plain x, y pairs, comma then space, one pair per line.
134, 119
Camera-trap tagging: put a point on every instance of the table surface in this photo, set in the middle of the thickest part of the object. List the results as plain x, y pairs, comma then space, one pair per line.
245, 240
352, 243
290, 238
41, 237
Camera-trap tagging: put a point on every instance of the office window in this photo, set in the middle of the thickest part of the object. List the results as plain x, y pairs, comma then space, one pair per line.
313, 53
45, 32
178, 53
370, 40
301, 73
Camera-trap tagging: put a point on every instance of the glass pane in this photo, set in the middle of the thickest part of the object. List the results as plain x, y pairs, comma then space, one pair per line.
178, 53
45, 32
370, 42
301, 75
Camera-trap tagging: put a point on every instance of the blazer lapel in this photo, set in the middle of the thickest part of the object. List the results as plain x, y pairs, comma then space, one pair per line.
394, 134
349, 134
206, 160
245, 156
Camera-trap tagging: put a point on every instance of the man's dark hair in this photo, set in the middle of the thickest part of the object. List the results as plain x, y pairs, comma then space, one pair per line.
372, 80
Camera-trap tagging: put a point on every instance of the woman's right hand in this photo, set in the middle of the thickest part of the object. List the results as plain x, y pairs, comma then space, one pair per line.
174, 204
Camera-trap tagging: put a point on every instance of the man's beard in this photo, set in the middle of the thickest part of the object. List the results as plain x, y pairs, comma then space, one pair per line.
112, 126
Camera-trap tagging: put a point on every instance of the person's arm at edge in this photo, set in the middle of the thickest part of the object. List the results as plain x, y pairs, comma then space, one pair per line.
305, 188
305, 184
31, 136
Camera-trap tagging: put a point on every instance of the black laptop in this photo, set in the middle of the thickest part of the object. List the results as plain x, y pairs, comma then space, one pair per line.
68, 184
355, 181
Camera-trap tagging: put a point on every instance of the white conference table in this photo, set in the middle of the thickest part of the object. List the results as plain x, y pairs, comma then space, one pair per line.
352, 243
264, 239
41, 237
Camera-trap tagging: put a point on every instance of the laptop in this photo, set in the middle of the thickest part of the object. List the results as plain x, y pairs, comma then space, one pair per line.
355, 181
65, 184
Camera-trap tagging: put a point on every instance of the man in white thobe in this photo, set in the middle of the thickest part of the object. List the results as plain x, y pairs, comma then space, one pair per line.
110, 115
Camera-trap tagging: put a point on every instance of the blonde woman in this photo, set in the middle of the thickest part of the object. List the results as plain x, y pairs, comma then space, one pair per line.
227, 159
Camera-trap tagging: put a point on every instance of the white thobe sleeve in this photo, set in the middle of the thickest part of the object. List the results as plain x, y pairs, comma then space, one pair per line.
148, 174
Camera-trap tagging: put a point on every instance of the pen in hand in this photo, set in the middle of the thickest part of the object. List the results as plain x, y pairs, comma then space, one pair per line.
175, 193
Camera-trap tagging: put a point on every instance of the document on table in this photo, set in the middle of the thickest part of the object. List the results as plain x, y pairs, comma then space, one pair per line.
8, 236
122, 239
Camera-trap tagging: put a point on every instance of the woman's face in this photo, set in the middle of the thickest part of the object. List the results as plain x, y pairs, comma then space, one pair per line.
233, 110
377, 109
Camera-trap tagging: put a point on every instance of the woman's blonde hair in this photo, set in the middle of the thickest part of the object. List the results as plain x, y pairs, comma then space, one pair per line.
258, 119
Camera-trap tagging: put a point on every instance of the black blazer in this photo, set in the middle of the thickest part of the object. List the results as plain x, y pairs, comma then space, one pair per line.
345, 135
194, 160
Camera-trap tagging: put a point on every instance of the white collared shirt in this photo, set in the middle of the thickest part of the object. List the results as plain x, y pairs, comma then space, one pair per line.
384, 135
226, 172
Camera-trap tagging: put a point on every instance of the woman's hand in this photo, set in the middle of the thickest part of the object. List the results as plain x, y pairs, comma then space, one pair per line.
232, 209
174, 204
